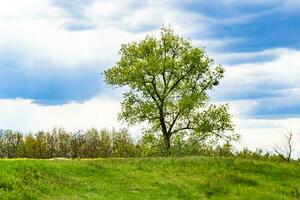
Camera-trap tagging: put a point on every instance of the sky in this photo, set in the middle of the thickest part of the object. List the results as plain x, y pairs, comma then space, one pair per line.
52, 54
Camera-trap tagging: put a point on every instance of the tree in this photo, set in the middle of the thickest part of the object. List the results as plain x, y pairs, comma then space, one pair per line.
122, 144
168, 80
285, 151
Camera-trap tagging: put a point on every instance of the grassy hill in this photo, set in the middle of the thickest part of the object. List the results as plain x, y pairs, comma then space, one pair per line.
149, 178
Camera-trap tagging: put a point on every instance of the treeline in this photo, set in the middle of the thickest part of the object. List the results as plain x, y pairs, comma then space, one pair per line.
105, 143
60, 143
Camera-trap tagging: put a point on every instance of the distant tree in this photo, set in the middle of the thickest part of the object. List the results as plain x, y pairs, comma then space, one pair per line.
168, 80
12, 142
40, 144
2, 144
76, 141
52, 143
92, 143
122, 144
105, 148
64, 144
30, 147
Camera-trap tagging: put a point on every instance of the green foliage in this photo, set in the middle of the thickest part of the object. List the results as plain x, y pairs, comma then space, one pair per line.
149, 178
122, 144
60, 143
11, 143
185, 145
151, 145
168, 80
258, 154
93, 143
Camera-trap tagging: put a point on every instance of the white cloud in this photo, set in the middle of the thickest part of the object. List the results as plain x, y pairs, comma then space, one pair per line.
242, 108
291, 4
38, 31
248, 87
277, 77
246, 57
24, 115
47, 42
268, 133
14, 9
213, 45
283, 5
229, 2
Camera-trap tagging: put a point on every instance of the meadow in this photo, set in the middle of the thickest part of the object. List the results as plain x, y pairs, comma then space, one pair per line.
149, 178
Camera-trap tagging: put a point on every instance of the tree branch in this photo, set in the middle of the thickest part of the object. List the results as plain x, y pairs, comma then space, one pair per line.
179, 79
149, 92
187, 127
173, 122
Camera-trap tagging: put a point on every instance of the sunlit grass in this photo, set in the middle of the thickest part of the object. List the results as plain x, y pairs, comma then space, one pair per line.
149, 178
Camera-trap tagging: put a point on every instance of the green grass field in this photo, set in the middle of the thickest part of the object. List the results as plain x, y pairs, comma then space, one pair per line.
149, 178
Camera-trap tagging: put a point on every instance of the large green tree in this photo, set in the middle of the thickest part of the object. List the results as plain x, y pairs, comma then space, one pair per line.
167, 80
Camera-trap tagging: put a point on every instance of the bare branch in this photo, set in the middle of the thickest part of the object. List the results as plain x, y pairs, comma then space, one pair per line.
286, 150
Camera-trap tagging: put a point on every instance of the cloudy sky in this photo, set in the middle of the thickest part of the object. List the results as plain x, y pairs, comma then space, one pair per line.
52, 54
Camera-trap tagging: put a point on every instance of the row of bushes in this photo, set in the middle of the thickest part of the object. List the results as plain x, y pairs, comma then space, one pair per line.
60, 143
111, 143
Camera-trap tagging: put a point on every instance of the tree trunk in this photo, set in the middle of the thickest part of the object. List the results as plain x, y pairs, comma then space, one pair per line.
166, 135
167, 144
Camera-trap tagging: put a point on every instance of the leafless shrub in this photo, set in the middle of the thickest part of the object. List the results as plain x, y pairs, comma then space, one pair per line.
285, 150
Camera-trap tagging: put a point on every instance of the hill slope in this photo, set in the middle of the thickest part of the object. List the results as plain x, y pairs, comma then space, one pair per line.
149, 178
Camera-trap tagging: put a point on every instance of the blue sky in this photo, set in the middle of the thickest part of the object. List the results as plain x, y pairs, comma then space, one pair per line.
52, 54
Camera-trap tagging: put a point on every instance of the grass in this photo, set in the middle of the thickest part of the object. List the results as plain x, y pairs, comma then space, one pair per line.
149, 178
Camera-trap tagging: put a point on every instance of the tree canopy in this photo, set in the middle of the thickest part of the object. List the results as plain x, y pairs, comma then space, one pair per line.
167, 81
